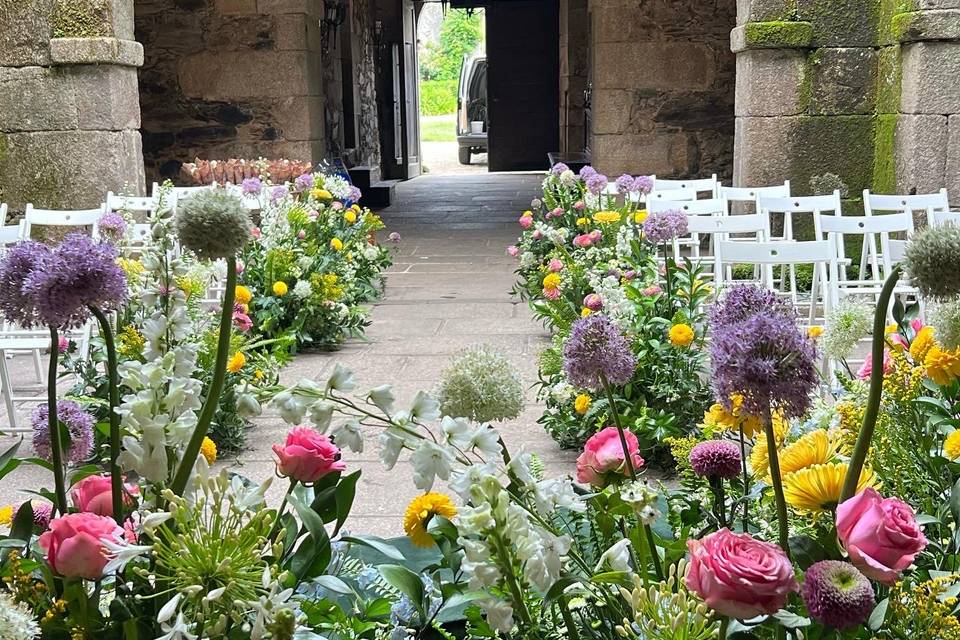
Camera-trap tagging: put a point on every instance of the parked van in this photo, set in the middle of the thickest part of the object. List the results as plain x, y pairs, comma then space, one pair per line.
472, 107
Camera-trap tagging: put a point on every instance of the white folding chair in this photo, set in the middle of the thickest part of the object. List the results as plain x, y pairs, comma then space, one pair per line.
673, 195
181, 192
698, 185
940, 218
140, 207
729, 228
931, 204
80, 219
783, 252
3, 213
739, 197
691, 208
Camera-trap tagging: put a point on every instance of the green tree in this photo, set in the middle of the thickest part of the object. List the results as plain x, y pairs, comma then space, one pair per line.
459, 35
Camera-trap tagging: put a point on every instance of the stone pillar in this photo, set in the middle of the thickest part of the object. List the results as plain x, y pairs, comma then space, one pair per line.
663, 79
574, 63
69, 106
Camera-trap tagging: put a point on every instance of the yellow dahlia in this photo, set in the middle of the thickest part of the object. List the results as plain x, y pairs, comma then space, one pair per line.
551, 281
336, 244
350, 216
640, 216
719, 418
208, 449
810, 449
921, 344
582, 403
419, 513
6, 515
817, 488
236, 362
242, 295
279, 288
321, 194
942, 366
951, 446
582, 222
681, 335
605, 217
527, 214
585, 312
814, 332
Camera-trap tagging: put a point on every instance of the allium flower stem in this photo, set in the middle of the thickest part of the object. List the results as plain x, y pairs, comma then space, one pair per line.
216, 385
616, 420
872, 410
746, 482
56, 444
113, 384
781, 500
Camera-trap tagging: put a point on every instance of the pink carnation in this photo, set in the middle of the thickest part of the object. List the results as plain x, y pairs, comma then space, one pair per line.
867, 367
593, 302
603, 457
555, 265
525, 222
307, 456
583, 240
513, 251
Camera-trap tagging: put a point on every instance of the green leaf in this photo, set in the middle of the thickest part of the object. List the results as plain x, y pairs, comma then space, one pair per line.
405, 581
377, 544
558, 588
312, 557
22, 526
806, 551
345, 493
7, 456
334, 584
311, 519
613, 577
955, 502
879, 613
791, 620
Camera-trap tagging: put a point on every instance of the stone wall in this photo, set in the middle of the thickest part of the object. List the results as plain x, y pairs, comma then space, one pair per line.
230, 78
69, 109
663, 86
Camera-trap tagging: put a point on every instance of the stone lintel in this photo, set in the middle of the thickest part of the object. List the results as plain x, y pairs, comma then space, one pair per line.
779, 34
126, 53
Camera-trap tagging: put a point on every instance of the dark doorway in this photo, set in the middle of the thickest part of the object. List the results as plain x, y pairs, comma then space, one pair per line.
523, 90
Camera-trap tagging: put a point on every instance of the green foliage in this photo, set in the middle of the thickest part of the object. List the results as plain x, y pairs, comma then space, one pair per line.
778, 34
438, 97
459, 36
80, 19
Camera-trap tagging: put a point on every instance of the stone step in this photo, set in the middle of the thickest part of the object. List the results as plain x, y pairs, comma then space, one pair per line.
379, 194
363, 176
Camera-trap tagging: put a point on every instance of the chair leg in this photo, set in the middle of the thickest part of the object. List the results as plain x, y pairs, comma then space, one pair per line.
7, 389
38, 366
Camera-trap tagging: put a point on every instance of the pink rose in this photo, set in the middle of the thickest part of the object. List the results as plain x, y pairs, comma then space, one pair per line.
74, 544
93, 495
525, 222
555, 265
537, 235
583, 240
867, 367
307, 456
513, 251
603, 455
579, 205
880, 534
593, 302
738, 576
301, 235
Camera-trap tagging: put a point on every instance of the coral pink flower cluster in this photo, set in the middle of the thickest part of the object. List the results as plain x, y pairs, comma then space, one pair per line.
307, 456
602, 459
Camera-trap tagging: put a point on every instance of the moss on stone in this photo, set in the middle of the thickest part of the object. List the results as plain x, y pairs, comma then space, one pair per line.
889, 77
884, 154
80, 19
779, 34
901, 23
839, 144
806, 82
841, 22
891, 22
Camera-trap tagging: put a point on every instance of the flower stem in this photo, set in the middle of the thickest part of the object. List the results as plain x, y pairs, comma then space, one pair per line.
860, 449
283, 505
724, 623
510, 578
564, 605
53, 424
627, 458
654, 556
216, 385
746, 483
777, 481
113, 384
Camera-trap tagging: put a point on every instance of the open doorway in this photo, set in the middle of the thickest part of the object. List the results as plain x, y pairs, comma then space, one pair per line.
453, 90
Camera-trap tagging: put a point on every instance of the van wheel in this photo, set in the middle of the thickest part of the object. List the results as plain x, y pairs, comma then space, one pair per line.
464, 155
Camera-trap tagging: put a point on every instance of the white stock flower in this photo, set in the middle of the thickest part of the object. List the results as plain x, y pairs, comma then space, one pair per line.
543, 558
430, 461
425, 407
463, 478
499, 614
348, 435
557, 493
617, 557
302, 290
341, 379
477, 564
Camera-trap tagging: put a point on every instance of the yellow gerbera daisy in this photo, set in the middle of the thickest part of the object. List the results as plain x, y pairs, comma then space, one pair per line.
751, 424
336, 244
419, 513
582, 222
208, 449
942, 366
681, 335
921, 344
606, 217
812, 448
640, 216
582, 403
951, 446
279, 288
814, 332
236, 362
817, 488
719, 418
242, 295
6, 515
759, 456
321, 194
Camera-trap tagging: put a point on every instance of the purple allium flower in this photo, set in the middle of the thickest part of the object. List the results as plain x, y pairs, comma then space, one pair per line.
559, 168
17, 265
82, 273
597, 349
278, 193
303, 183
715, 459
354, 194
624, 183
78, 422
596, 183
251, 186
744, 300
767, 360
643, 184
112, 226
587, 171
664, 226
837, 595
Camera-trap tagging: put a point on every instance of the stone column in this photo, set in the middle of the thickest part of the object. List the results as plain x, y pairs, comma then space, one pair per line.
574, 61
69, 106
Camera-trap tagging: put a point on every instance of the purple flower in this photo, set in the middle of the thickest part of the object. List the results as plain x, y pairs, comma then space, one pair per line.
354, 194
112, 226
559, 168
643, 184
82, 273
624, 183
587, 171
394, 237
20, 261
278, 193
42, 513
596, 183
664, 226
597, 349
303, 183
77, 421
251, 186
715, 459
767, 360
837, 595
744, 300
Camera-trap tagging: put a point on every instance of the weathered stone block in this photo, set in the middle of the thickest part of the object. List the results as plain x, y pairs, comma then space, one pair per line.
69, 169
771, 35
36, 98
662, 153
611, 110
770, 82
765, 10
25, 33
921, 153
930, 71
653, 65
70, 51
299, 118
952, 178
915, 26
227, 7
843, 80
260, 74
314, 7
292, 31
760, 153
938, 4
841, 23
107, 97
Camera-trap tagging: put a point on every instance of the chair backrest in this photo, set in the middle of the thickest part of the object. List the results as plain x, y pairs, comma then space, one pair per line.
116, 202
674, 195
800, 204
140, 234
697, 185
930, 203
3, 213
710, 207
726, 225
10, 234
940, 218
750, 194
775, 253
835, 227
178, 193
62, 218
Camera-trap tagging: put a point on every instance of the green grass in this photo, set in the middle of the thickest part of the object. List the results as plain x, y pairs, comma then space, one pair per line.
438, 128
438, 97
